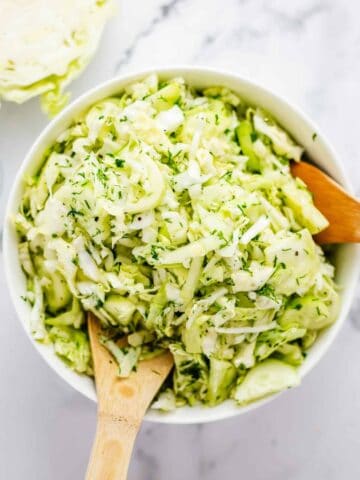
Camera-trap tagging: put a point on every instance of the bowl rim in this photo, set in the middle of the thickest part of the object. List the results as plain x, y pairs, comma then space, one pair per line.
85, 100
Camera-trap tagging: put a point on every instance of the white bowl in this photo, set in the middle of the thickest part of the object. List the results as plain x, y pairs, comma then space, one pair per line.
301, 128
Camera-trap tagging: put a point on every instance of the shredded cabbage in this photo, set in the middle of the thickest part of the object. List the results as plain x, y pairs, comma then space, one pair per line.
173, 216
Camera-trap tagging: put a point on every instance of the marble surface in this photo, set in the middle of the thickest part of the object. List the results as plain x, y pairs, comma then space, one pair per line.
307, 50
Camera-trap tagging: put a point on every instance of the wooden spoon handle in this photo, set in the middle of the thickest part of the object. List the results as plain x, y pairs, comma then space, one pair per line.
112, 449
122, 403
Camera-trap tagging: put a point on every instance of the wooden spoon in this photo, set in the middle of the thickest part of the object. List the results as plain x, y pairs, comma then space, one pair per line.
341, 209
122, 403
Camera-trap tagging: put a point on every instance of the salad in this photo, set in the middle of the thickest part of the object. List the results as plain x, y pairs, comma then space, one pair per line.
42, 53
172, 215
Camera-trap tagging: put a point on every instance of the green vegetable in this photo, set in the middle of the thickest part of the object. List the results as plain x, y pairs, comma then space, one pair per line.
265, 379
172, 215
221, 377
165, 97
281, 142
299, 199
47, 55
57, 292
126, 357
165, 401
74, 317
311, 311
193, 335
245, 135
72, 346
290, 353
120, 309
269, 342
191, 376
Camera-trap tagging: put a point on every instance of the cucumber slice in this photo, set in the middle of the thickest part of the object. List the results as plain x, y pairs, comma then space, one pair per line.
166, 97
244, 132
305, 212
310, 311
264, 379
222, 375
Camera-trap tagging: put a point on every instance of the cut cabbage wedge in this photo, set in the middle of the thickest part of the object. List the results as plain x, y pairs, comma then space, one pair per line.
43, 52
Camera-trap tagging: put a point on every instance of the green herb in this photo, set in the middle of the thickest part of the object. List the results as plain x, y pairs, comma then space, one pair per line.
227, 176
170, 161
192, 369
154, 253
99, 304
241, 208
119, 162
254, 136
101, 175
73, 213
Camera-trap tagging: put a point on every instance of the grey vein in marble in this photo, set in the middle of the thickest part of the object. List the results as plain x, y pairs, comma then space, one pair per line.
165, 11
150, 464
300, 19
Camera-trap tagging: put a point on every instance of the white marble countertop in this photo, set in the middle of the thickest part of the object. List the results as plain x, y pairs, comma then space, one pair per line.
307, 50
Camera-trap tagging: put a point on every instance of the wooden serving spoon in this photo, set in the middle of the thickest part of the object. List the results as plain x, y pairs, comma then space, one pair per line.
339, 207
122, 403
